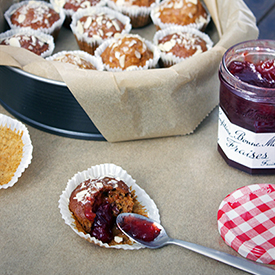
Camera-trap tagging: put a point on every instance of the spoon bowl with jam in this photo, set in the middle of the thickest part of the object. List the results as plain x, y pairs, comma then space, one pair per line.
151, 234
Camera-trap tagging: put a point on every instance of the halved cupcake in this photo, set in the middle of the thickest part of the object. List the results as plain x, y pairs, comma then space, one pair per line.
181, 42
15, 150
95, 197
94, 25
128, 52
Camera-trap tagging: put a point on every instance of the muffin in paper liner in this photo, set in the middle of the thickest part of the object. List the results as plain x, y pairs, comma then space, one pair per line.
200, 24
100, 171
43, 37
139, 15
96, 62
150, 63
17, 126
53, 30
169, 59
89, 44
83, 4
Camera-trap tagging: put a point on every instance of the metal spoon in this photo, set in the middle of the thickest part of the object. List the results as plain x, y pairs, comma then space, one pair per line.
163, 239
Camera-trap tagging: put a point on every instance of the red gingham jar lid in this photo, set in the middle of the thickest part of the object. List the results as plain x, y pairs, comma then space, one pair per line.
246, 222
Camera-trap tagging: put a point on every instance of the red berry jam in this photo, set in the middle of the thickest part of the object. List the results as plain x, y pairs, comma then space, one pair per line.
247, 107
261, 74
140, 229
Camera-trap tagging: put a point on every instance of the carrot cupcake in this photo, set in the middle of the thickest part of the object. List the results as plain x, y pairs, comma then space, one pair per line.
178, 43
180, 12
35, 41
94, 25
37, 15
138, 10
128, 52
81, 59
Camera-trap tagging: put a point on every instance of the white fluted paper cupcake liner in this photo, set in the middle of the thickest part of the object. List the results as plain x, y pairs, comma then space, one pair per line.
14, 124
100, 171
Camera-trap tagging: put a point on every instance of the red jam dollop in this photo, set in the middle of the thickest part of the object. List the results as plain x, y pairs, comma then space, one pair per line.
140, 229
261, 74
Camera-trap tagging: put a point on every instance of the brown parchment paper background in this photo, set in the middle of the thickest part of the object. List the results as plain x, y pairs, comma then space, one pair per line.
152, 103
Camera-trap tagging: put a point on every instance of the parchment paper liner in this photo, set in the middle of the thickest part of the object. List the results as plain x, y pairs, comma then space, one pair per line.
53, 30
98, 171
38, 34
90, 44
96, 62
170, 59
59, 4
144, 104
161, 25
14, 124
139, 15
151, 63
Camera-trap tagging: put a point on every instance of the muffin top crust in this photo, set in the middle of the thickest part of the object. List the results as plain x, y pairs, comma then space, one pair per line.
34, 14
29, 42
127, 51
181, 12
99, 26
182, 44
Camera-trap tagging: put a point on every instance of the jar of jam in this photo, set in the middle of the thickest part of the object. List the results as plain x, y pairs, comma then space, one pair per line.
246, 135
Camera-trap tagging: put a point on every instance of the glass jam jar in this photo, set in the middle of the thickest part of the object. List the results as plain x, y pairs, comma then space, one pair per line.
246, 135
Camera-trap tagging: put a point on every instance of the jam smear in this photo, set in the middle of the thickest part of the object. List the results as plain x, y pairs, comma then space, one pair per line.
261, 74
140, 229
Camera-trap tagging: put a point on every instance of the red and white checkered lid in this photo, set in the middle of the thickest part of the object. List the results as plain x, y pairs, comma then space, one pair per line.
246, 222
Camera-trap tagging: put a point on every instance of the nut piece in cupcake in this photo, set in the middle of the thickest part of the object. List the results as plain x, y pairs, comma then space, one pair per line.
80, 59
128, 52
95, 204
180, 12
35, 41
138, 10
179, 43
37, 15
94, 25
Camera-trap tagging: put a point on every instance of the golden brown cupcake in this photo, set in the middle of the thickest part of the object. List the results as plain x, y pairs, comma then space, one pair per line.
94, 25
128, 52
181, 42
37, 15
180, 12
35, 41
138, 10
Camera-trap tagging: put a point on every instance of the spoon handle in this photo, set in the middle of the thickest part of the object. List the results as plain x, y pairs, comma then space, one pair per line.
228, 259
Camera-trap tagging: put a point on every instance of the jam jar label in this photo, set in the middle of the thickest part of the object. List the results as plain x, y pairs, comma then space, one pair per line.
253, 150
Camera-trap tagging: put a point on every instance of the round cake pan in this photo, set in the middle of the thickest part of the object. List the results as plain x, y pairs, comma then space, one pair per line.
45, 104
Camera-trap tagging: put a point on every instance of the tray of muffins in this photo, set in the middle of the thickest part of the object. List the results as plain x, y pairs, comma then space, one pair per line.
103, 35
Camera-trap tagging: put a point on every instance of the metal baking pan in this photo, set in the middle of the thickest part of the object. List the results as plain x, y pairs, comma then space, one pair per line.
45, 104
42, 103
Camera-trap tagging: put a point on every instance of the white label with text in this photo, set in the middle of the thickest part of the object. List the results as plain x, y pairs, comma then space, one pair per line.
253, 150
